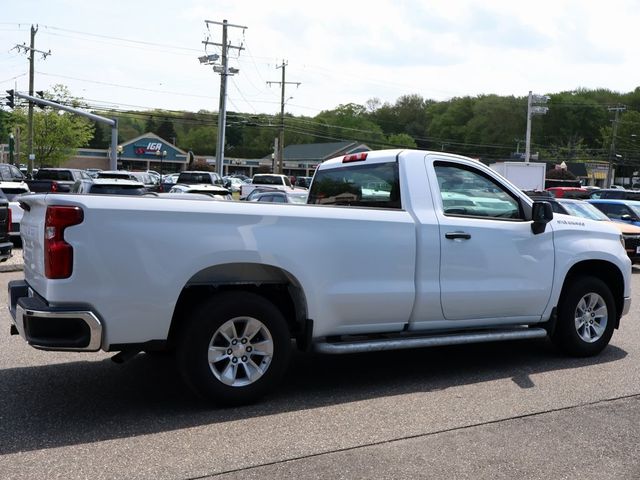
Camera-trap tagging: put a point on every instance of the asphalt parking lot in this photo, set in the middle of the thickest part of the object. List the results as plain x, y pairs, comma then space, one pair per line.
509, 410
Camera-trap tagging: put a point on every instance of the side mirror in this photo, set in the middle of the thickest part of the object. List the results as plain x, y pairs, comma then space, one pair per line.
542, 214
626, 218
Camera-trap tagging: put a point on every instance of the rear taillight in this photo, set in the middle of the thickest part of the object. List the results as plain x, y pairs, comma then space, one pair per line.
54, 186
58, 254
9, 221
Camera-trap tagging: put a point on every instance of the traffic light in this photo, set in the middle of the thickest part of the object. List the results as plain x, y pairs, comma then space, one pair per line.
40, 94
10, 99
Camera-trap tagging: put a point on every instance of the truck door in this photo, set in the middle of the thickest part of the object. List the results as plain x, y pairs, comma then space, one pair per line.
492, 265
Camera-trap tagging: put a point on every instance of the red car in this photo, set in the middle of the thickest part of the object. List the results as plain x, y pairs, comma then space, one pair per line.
568, 192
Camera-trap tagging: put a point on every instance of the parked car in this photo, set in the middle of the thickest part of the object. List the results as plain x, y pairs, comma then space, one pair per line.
281, 182
255, 192
6, 245
568, 192
304, 182
278, 196
195, 177
11, 173
109, 186
151, 183
122, 174
614, 193
12, 191
93, 172
627, 211
232, 183
584, 209
215, 191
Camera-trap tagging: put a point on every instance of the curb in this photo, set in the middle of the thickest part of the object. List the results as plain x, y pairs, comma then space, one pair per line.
16, 267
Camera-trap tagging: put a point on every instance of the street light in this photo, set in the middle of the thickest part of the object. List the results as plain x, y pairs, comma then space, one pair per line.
161, 154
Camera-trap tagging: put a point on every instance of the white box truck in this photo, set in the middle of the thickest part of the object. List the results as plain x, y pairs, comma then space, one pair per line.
524, 175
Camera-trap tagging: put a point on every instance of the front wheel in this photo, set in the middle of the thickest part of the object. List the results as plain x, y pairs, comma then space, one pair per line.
586, 317
235, 348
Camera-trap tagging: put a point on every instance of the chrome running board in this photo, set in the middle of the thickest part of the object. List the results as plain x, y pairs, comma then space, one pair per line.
398, 343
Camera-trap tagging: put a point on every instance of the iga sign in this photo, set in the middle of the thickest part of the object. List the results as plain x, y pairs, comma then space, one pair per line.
150, 149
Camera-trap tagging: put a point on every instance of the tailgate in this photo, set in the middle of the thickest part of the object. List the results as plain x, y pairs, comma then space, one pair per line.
32, 235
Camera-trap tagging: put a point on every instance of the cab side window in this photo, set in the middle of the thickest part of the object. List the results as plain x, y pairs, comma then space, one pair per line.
465, 191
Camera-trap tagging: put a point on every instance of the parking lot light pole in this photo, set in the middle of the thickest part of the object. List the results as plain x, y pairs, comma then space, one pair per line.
11, 146
161, 154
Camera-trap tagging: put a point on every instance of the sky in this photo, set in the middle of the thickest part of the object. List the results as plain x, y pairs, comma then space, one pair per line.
143, 54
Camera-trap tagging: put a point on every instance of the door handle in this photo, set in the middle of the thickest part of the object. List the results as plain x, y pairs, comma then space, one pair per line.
457, 235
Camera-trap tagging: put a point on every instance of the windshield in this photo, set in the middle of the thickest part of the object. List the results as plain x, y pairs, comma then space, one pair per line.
584, 210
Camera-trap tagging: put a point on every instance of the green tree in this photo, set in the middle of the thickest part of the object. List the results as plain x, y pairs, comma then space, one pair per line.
408, 115
101, 137
572, 126
56, 134
401, 140
201, 140
447, 124
166, 130
348, 122
150, 125
496, 124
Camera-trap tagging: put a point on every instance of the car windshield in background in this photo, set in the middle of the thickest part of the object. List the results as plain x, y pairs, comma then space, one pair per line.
373, 185
117, 190
61, 175
112, 175
584, 210
194, 178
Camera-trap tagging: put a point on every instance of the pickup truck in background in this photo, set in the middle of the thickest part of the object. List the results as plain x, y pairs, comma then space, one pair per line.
56, 179
281, 182
396, 249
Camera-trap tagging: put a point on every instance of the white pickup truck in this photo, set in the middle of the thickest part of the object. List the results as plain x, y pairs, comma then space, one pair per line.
398, 249
269, 180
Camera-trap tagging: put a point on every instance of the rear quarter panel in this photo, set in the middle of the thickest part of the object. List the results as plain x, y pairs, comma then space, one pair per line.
132, 258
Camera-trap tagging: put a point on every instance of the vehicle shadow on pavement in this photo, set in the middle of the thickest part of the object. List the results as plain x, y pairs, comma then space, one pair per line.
81, 402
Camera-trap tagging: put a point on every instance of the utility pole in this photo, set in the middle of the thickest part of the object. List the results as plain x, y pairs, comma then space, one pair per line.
31, 51
612, 149
224, 72
280, 159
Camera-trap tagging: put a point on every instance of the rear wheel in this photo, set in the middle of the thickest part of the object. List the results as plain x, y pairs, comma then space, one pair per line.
235, 348
586, 317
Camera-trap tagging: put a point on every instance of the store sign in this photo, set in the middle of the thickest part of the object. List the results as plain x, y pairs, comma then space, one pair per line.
150, 149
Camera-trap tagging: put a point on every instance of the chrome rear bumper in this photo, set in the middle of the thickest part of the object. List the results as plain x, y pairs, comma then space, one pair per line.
65, 328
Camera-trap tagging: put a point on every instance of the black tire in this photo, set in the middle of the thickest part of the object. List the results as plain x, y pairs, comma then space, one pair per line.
262, 353
585, 300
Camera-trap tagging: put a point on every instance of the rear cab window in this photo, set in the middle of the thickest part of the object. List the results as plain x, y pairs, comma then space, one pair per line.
373, 185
